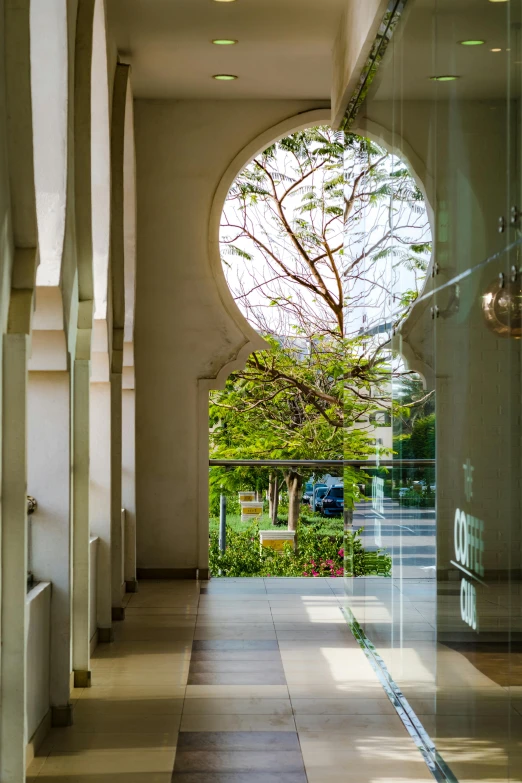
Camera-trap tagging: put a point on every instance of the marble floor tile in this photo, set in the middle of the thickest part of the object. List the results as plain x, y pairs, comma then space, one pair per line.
237, 691
234, 645
239, 722
238, 741
113, 678
142, 705
74, 740
256, 681
343, 706
351, 725
241, 777
252, 631
259, 677
85, 767
155, 692
232, 706
225, 665
211, 761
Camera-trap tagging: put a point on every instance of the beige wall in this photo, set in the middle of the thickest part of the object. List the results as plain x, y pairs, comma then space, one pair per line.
185, 328
353, 44
38, 663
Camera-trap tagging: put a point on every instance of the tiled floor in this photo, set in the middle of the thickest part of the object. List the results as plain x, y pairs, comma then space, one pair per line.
235, 681
463, 692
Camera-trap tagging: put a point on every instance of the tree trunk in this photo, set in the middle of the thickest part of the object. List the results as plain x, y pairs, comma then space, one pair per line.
294, 483
273, 497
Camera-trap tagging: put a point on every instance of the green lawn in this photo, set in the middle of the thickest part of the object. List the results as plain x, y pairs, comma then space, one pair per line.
324, 526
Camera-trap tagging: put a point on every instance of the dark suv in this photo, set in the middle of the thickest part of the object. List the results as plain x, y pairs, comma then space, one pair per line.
333, 502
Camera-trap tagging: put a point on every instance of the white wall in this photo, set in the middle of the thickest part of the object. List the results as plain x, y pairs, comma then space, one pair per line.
49, 464
100, 494
129, 481
38, 656
93, 584
185, 328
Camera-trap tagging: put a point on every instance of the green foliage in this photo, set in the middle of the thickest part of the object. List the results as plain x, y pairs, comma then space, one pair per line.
308, 229
422, 439
310, 218
316, 555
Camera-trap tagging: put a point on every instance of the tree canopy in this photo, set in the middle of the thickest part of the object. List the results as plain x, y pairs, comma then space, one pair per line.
325, 243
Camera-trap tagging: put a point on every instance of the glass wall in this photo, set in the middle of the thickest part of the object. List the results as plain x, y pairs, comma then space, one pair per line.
448, 623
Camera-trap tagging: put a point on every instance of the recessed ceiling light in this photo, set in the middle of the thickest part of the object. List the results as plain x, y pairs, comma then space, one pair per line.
495, 50
448, 78
498, 1
232, 1
472, 42
224, 77
224, 41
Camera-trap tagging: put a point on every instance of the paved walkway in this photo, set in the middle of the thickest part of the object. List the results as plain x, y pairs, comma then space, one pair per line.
232, 681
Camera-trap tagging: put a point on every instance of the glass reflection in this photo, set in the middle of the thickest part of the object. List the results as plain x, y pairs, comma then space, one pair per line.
448, 623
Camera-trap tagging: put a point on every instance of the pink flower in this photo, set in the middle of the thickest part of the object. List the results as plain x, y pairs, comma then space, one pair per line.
305, 573
341, 553
315, 573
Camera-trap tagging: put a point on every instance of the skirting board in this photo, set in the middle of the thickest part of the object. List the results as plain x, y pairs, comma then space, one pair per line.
33, 746
167, 573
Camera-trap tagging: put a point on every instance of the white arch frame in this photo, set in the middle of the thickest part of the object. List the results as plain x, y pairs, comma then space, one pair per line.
253, 341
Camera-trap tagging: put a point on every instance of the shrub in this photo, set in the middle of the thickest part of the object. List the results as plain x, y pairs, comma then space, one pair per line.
316, 555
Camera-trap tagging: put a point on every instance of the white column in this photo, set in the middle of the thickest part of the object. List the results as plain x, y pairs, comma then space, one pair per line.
81, 531
118, 586
203, 480
14, 560
49, 481
129, 486
100, 500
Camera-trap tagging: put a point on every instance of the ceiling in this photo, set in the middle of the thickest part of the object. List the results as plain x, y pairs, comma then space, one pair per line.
284, 48
426, 44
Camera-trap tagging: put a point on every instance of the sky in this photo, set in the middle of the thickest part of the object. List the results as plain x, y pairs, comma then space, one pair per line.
372, 296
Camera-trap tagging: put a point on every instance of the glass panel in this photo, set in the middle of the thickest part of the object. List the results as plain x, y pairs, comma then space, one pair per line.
448, 623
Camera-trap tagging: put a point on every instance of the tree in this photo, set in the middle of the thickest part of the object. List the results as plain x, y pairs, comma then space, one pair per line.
261, 415
308, 233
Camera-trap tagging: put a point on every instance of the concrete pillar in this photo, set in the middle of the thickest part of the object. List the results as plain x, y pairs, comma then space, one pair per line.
118, 585
100, 500
203, 481
14, 559
49, 481
81, 529
129, 486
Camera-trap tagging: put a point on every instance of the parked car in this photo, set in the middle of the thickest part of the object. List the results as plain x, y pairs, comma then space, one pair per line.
333, 502
320, 491
308, 493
